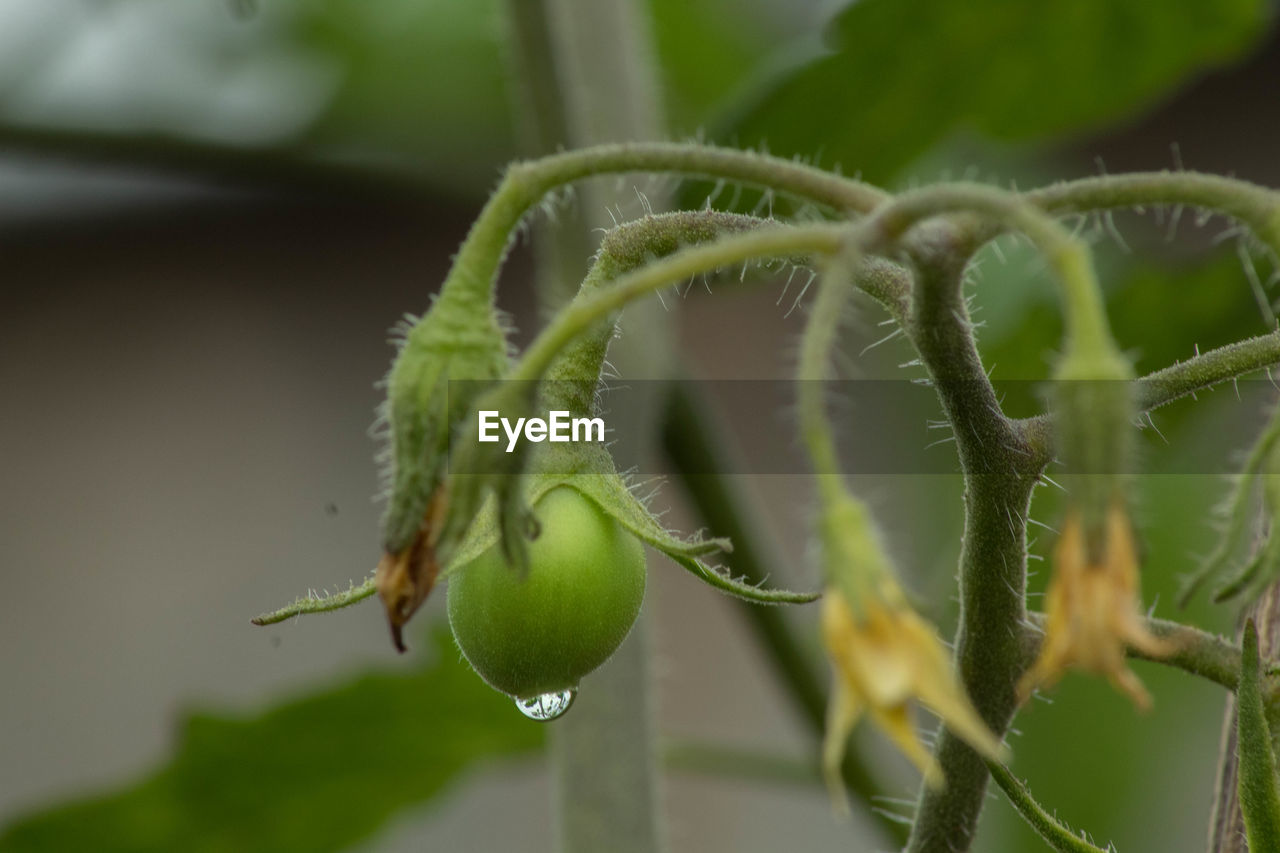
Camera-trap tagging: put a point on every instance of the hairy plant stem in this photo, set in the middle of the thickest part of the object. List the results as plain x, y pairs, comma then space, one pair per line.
999, 477
1255, 206
1056, 834
476, 264
773, 242
1183, 379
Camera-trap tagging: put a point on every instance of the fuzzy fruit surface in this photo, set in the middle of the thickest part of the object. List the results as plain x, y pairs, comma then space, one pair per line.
545, 632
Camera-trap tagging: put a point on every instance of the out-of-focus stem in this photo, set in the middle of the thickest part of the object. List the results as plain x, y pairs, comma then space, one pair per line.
700, 460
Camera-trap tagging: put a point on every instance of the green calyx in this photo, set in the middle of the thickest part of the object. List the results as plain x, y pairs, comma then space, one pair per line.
854, 557
422, 407
1093, 407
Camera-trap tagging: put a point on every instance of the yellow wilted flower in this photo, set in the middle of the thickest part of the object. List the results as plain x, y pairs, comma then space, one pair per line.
883, 654
880, 663
1092, 610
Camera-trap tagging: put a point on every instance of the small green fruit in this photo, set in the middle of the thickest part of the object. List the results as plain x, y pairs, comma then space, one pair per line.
542, 633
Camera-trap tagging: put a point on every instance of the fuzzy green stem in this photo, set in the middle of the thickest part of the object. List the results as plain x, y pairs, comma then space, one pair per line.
1175, 382
572, 376
1208, 369
772, 242
1255, 206
312, 603
476, 265
1056, 834
999, 476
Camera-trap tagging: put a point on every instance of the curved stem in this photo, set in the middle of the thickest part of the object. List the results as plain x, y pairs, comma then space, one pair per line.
819, 337
476, 265
1257, 207
1085, 318
312, 603
1056, 834
1208, 369
777, 241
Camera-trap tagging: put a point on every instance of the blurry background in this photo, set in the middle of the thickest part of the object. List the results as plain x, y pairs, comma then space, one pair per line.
210, 214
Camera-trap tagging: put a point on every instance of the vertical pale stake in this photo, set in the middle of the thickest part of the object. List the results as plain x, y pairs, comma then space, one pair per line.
589, 61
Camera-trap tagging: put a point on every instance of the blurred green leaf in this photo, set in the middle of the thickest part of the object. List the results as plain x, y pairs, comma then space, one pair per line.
419, 78
898, 76
706, 49
318, 773
1160, 309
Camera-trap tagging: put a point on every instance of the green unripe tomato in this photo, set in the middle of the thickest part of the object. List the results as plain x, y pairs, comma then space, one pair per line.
543, 633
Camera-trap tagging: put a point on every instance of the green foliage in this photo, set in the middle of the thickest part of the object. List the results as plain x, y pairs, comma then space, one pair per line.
393, 58
1019, 309
314, 774
705, 50
901, 75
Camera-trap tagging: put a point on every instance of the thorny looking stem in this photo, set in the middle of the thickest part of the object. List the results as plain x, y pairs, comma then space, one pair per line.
777, 241
999, 477
525, 185
1255, 206
1085, 316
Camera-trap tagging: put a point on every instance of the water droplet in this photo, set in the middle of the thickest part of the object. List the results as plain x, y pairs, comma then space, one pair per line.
548, 706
